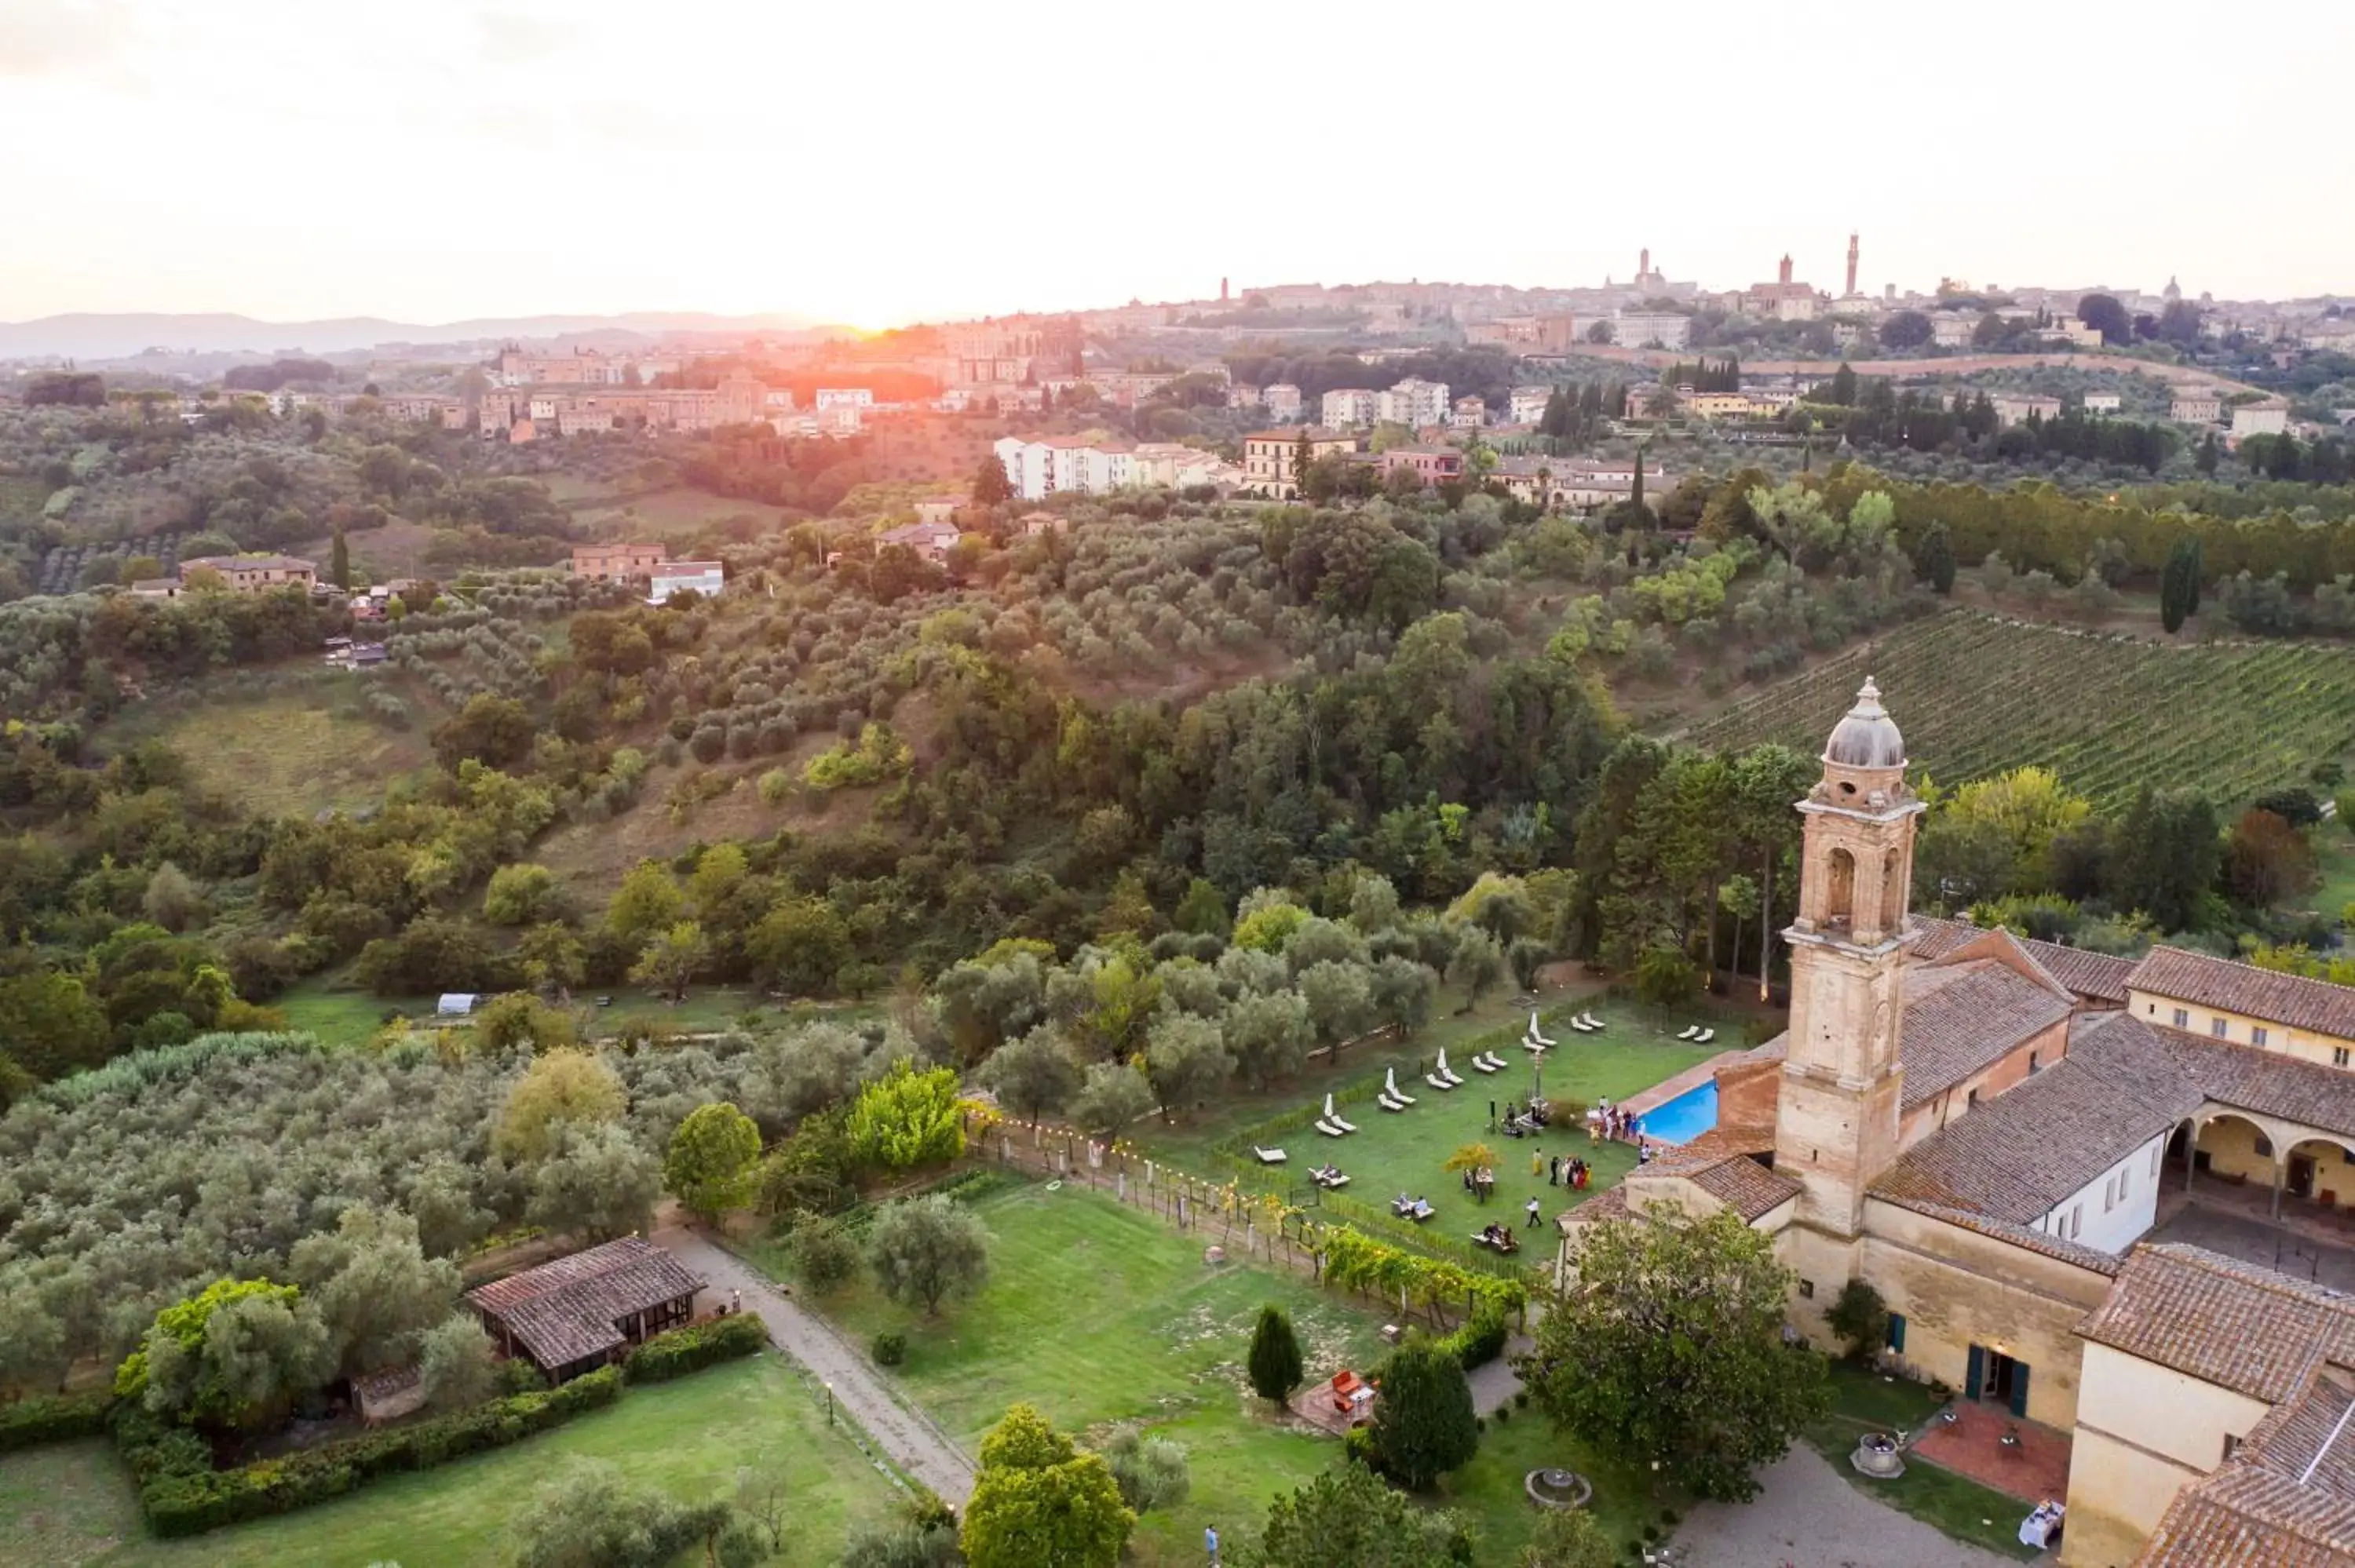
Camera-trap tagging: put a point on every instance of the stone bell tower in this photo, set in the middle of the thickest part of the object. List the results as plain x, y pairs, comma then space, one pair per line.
1836, 1122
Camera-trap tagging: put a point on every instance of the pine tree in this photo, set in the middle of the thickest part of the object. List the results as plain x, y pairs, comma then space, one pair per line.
1275, 1364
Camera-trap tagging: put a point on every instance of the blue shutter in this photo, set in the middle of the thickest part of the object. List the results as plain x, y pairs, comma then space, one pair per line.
2020, 1388
1897, 1332
1975, 1377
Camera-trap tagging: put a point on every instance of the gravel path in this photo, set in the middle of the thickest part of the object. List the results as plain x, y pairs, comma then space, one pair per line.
1808, 1515
914, 1443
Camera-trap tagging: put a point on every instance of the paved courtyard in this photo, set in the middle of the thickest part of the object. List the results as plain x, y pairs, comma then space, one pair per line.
1808, 1515
2255, 1240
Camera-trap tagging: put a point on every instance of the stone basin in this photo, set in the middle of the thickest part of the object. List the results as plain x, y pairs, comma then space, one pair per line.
1558, 1488
1877, 1456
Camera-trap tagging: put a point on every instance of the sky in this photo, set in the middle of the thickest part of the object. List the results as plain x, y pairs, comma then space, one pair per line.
873, 161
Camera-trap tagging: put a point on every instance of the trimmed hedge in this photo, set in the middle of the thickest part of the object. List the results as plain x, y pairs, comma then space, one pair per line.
1480, 1341
26, 1421
695, 1347
181, 1495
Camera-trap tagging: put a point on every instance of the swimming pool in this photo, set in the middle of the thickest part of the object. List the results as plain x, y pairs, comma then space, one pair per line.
1683, 1119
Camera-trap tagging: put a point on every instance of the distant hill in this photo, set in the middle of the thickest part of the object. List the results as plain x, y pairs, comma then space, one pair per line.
123, 337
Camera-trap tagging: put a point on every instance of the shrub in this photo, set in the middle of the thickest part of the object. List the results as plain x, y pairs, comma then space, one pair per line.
891, 1349
1481, 1340
691, 1349
28, 1422
1861, 1318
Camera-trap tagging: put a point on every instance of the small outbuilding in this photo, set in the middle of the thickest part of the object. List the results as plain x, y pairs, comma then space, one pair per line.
455, 1004
574, 1314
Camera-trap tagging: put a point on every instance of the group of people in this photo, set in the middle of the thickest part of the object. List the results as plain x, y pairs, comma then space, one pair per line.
1480, 1182
1608, 1120
1563, 1172
1524, 1121
1500, 1237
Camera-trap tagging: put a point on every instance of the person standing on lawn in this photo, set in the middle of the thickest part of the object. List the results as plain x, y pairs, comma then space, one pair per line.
1210, 1543
1533, 1213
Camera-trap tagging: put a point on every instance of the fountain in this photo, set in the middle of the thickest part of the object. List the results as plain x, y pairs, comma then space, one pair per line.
1877, 1456
1559, 1488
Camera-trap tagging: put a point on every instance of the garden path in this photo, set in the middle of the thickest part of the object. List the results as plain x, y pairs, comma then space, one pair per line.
904, 1432
1806, 1515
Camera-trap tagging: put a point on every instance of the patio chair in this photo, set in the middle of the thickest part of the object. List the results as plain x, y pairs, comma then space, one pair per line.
1334, 1117
1270, 1156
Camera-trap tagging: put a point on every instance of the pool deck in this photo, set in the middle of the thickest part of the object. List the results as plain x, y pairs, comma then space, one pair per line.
1667, 1089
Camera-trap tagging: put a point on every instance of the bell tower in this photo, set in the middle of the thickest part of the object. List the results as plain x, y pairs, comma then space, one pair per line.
1836, 1122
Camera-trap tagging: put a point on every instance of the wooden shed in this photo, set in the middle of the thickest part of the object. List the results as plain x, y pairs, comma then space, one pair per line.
574, 1314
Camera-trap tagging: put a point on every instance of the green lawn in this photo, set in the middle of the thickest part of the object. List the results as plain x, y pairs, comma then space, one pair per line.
1489, 1489
1404, 1151
71, 1504
333, 1008
2334, 848
1103, 1317
1866, 1402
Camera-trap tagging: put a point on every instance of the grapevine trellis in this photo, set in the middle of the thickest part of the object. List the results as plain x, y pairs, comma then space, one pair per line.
1978, 694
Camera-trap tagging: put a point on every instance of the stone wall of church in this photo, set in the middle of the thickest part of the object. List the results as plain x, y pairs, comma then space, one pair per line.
1748, 1092
2144, 1433
1958, 1288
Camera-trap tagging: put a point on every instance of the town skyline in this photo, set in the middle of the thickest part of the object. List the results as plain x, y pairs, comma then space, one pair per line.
509, 162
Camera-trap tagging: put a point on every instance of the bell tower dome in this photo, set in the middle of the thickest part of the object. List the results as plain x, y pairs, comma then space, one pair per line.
1836, 1119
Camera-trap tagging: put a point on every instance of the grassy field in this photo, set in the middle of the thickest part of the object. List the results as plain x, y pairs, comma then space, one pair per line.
2334, 849
1861, 1402
292, 750
332, 1008
669, 514
1404, 1151
72, 1504
1976, 695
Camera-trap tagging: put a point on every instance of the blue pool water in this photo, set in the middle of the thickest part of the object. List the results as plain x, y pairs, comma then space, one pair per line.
1684, 1118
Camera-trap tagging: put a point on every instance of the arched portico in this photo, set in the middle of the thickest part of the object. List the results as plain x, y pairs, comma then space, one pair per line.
2244, 1149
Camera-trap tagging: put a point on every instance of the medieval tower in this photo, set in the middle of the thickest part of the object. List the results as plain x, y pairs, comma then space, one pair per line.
1837, 1121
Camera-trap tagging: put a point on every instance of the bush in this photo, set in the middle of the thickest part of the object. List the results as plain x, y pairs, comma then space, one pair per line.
691, 1349
1861, 1318
1481, 1340
891, 1349
28, 1422
180, 1494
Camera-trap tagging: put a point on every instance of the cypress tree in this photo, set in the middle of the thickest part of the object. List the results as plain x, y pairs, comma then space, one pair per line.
340, 562
1936, 564
1424, 1425
1275, 1364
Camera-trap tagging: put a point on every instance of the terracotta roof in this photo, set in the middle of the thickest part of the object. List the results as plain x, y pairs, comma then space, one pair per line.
1743, 1185
2291, 1000
2286, 1497
2225, 1322
2102, 976
568, 1309
1960, 1021
2019, 1155
248, 564
2270, 1083
1606, 1205
2006, 1231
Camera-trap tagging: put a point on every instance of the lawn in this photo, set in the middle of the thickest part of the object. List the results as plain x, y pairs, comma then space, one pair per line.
1866, 1402
292, 743
1490, 1488
334, 1009
2334, 847
687, 1438
1404, 1151
1102, 1317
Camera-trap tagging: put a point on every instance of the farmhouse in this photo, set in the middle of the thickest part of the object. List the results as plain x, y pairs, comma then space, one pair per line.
1979, 1127
618, 563
571, 1316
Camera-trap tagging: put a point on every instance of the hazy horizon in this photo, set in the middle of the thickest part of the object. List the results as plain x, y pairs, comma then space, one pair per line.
452, 161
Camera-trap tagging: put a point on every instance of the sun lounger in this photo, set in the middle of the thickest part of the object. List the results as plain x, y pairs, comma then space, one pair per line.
1269, 1156
1590, 1020
1446, 1072
1485, 1065
1689, 1031
1436, 1082
1327, 1129
1384, 1101
1705, 1036
1536, 1033
1390, 1082
1334, 1117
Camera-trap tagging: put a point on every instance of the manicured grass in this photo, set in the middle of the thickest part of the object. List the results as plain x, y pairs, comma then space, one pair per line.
332, 1008
1490, 1488
1954, 1505
2334, 853
1404, 1151
1103, 1317
689, 1439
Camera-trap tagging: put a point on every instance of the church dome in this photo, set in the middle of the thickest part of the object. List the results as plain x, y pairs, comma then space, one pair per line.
1868, 736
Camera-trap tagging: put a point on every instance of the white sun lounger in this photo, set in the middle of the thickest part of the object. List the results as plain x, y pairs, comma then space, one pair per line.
1485, 1065
1453, 1076
1535, 1034
1269, 1156
1705, 1036
1387, 1103
1583, 1026
1334, 1117
1390, 1082
1327, 1129
1590, 1020
1436, 1082
1689, 1031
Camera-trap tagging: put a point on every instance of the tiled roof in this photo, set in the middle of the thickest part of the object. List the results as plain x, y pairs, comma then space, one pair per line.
1743, 1185
2291, 1000
1960, 1021
2031, 1147
2270, 1083
1608, 1205
248, 564
2007, 1231
2102, 976
2285, 1499
2229, 1323
567, 1310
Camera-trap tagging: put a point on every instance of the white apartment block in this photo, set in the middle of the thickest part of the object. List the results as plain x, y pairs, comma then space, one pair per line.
845, 397
1527, 404
2270, 418
1283, 400
1413, 404
1349, 407
1952, 329
1637, 329
1041, 466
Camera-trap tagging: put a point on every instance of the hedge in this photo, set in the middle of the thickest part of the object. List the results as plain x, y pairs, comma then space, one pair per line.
181, 1495
691, 1349
26, 1421
1481, 1340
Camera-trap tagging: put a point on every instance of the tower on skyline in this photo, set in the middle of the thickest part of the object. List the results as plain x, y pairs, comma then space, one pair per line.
1851, 267
1783, 273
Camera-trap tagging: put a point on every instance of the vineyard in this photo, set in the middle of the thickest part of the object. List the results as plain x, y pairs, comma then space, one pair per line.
1976, 695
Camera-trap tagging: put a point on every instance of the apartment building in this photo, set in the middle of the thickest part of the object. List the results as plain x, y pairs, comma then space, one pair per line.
1349, 407
1643, 329
618, 563
1283, 400
1271, 455
1414, 403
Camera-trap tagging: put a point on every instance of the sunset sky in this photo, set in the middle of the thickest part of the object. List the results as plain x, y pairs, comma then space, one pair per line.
878, 161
